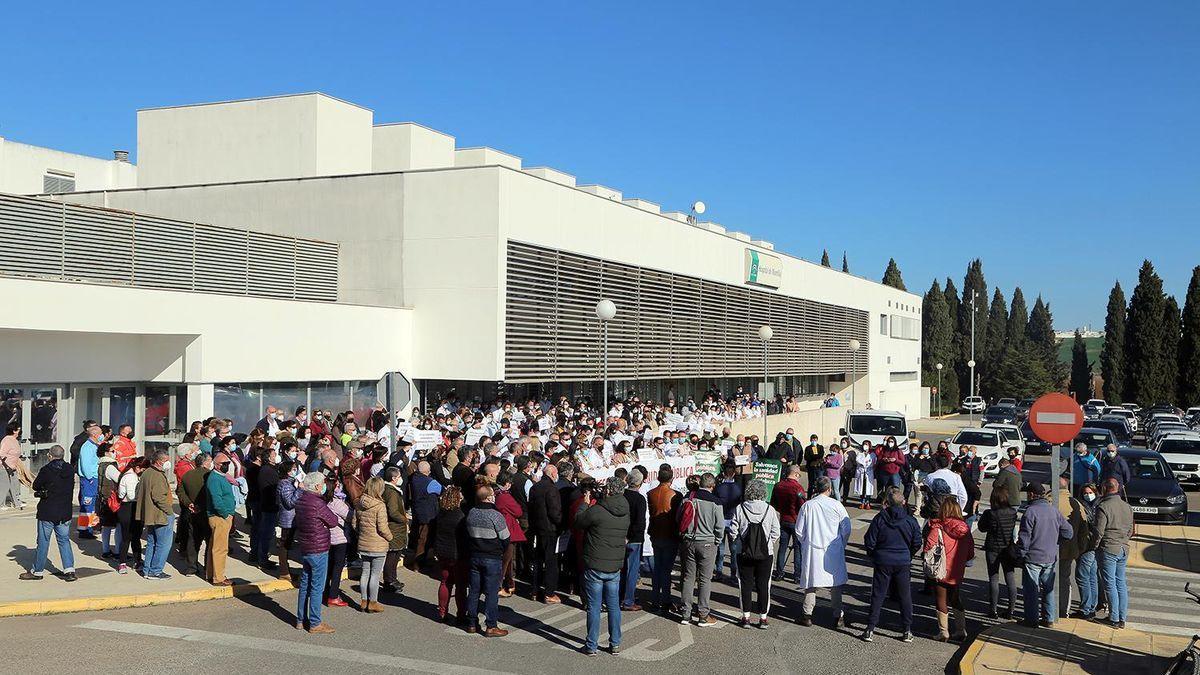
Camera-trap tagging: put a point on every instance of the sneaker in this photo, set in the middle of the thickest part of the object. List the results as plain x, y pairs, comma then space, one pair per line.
30, 576
707, 622
614, 649
867, 635
322, 628
805, 621
682, 622
1121, 624
840, 622
907, 637
163, 576
1046, 623
590, 652
744, 622
70, 576
108, 555
763, 623
123, 569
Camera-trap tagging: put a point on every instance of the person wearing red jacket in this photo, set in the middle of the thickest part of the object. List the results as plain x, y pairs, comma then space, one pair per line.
891, 464
787, 499
508, 507
950, 531
124, 447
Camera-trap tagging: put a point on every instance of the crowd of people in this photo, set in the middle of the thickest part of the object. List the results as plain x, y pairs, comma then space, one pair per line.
490, 499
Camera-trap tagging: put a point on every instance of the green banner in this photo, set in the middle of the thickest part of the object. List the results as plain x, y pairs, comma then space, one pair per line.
769, 472
708, 461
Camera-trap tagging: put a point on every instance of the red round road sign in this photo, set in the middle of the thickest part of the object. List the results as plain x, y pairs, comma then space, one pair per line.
1056, 418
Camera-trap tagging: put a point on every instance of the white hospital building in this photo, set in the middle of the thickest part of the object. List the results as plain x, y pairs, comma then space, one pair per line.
291, 250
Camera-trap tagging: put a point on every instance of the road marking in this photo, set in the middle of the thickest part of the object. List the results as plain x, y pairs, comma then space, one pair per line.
1159, 628
1163, 616
292, 647
642, 652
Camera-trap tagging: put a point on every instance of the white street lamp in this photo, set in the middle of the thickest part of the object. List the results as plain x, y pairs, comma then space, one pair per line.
854, 346
939, 393
765, 334
971, 365
606, 310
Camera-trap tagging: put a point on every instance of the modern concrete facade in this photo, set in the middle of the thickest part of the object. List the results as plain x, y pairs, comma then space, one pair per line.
467, 268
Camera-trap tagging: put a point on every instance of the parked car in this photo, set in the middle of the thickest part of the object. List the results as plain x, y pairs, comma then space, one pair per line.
1154, 493
1033, 444
1164, 429
1125, 414
1023, 407
1007, 401
972, 404
1095, 439
1092, 412
1116, 425
1097, 403
1182, 452
1012, 437
1000, 414
875, 426
988, 442
1132, 407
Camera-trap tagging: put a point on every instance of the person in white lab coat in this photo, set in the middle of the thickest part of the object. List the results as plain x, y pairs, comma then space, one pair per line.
823, 528
864, 476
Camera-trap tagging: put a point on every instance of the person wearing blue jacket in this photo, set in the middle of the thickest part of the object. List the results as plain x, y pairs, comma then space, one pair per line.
1085, 468
892, 539
729, 493
1113, 465
1042, 529
88, 472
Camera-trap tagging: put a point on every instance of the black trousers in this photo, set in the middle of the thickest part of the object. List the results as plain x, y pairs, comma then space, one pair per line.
183, 530
193, 531
545, 564
131, 533
333, 575
889, 580
754, 576
390, 563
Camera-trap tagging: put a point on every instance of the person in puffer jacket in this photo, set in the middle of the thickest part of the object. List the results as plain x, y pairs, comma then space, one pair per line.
286, 493
892, 540
312, 523
951, 531
605, 525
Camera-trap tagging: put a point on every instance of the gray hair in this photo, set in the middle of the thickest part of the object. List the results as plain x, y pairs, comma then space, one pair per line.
57, 452
756, 490
159, 455
636, 478
614, 486
708, 481
893, 496
204, 459
314, 482
822, 486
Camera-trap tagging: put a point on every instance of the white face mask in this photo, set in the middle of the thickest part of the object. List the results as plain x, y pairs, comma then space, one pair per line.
166, 466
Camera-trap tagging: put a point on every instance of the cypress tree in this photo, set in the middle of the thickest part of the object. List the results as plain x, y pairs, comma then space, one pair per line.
891, 276
972, 283
825, 258
1189, 345
1170, 347
1021, 372
1145, 380
1018, 318
1081, 372
1112, 356
845, 263
1042, 343
994, 337
937, 345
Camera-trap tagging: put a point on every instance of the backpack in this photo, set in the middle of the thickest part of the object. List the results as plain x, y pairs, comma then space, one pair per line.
754, 542
934, 560
687, 516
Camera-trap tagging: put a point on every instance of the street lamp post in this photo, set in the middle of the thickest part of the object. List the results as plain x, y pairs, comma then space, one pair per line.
971, 363
939, 393
765, 333
971, 412
854, 345
606, 310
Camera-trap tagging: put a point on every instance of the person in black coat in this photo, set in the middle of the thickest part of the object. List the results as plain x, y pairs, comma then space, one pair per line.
267, 485
998, 523
545, 521
634, 541
53, 487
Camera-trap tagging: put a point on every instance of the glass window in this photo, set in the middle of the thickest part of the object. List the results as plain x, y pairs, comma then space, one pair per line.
241, 403
181, 420
43, 418
10, 407
287, 396
122, 403
333, 396
366, 397
158, 411
883, 324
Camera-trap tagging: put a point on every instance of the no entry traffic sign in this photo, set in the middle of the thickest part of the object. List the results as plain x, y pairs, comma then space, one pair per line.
1056, 418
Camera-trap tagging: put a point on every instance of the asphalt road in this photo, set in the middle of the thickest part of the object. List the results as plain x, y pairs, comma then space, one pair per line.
256, 634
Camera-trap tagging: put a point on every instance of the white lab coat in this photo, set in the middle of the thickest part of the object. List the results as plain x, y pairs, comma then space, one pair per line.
823, 527
864, 475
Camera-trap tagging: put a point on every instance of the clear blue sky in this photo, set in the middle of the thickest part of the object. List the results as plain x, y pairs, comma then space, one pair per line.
1060, 141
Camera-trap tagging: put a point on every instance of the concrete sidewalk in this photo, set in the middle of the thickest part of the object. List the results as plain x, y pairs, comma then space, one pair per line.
1166, 547
1072, 646
100, 587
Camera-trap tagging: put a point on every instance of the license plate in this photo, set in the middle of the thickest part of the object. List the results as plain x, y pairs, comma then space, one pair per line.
1143, 509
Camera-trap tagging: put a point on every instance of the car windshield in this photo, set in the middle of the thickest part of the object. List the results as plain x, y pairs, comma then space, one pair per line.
999, 410
1180, 446
967, 437
1149, 467
878, 425
1010, 434
1092, 439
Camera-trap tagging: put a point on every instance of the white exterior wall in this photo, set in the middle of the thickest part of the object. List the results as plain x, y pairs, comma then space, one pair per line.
69, 332
23, 166
407, 146
256, 139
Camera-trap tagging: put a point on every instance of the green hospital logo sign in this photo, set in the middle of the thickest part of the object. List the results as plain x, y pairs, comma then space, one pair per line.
763, 269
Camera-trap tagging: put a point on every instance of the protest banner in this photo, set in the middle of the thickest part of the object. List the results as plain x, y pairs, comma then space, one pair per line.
768, 471
426, 439
473, 435
708, 461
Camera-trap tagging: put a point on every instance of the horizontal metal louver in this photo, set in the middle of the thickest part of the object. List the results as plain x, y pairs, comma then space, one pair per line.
667, 325
45, 239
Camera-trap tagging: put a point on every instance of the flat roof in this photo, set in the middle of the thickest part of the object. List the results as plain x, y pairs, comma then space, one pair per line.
257, 98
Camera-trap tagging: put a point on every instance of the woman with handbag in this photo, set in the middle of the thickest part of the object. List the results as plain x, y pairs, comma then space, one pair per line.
948, 547
998, 523
10, 465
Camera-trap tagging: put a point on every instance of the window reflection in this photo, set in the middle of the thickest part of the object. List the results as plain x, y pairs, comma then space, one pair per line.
241, 403
10, 407
43, 417
121, 406
158, 410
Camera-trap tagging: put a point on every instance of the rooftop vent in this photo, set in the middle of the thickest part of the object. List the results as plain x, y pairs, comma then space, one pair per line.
121, 155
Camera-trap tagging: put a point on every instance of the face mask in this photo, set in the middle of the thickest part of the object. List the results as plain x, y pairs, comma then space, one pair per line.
293, 454
278, 416
1089, 497
166, 466
1112, 453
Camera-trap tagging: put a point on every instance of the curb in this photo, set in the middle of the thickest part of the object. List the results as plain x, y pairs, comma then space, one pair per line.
966, 665
36, 608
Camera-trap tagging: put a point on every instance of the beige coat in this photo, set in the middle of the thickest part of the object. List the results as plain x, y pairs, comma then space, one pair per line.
155, 504
371, 523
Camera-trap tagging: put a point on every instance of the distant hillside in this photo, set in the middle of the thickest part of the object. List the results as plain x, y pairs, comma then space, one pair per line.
1094, 345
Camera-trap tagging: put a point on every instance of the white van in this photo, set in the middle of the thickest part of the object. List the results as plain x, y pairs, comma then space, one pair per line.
875, 426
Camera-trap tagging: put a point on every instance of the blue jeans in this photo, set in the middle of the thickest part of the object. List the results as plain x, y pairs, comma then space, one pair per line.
602, 588
264, 526
1112, 570
1040, 592
665, 551
730, 542
485, 576
312, 587
888, 480
1088, 581
788, 539
632, 572
61, 532
836, 484
158, 547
